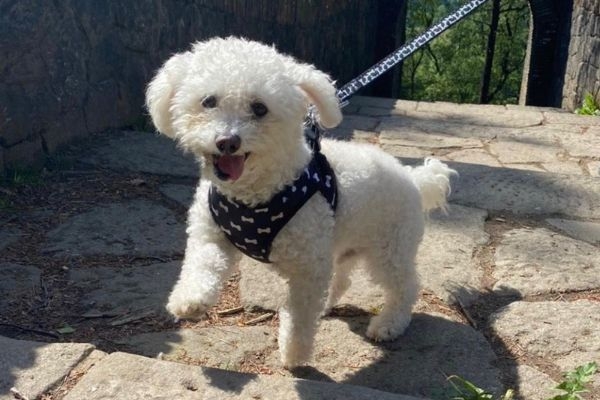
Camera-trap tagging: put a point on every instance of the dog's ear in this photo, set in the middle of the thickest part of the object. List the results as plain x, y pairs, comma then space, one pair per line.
161, 89
319, 89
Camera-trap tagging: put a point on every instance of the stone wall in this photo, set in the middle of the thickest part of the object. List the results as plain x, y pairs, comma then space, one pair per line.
69, 68
583, 65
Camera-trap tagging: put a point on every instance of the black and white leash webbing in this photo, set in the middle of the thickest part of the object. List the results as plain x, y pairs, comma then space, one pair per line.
346, 91
313, 132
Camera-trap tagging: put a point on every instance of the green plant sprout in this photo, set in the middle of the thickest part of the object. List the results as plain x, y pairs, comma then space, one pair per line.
575, 382
573, 385
589, 106
466, 390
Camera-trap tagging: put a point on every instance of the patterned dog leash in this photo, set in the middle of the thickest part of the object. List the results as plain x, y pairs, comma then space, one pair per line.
313, 131
403, 52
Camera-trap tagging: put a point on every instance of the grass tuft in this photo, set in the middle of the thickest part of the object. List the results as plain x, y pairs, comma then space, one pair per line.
574, 384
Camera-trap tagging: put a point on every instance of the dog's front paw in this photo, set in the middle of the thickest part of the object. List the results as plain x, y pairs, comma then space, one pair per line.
187, 308
384, 328
294, 357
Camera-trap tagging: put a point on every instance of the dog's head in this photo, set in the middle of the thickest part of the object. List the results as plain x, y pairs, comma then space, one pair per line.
238, 105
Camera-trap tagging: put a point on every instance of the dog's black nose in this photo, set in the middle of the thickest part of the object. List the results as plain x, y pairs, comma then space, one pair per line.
228, 144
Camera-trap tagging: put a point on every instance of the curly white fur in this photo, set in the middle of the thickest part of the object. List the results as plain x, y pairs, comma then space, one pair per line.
379, 219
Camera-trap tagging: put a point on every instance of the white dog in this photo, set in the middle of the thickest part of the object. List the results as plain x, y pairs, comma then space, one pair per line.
239, 106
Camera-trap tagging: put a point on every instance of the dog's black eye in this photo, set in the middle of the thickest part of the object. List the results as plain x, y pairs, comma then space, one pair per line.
209, 102
259, 109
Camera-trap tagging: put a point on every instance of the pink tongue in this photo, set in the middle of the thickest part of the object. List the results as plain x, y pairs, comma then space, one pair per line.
231, 165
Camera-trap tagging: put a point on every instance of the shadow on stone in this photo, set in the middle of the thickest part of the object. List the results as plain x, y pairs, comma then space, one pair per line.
223, 381
419, 362
522, 192
479, 314
309, 372
33, 367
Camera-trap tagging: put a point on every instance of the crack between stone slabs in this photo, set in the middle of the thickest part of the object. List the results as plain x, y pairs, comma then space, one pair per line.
51, 392
489, 301
510, 355
582, 162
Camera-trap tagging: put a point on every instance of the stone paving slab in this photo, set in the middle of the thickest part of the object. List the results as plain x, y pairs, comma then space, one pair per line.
428, 133
526, 192
8, 236
19, 283
182, 194
142, 152
519, 152
563, 333
537, 261
466, 114
474, 156
582, 230
557, 116
33, 367
445, 259
421, 124
138, 227
582, 143
127, 288
129, 377
416, 363
218, 347
535, 385
484, 115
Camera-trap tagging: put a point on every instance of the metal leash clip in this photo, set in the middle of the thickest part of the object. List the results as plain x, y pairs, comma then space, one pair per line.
312, 130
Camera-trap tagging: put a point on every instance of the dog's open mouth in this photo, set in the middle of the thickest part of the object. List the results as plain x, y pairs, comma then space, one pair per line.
229, 167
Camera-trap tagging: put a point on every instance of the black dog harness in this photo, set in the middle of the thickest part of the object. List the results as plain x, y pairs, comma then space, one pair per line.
253, 229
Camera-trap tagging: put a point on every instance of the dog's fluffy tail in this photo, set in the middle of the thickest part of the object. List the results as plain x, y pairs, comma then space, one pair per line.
433, 180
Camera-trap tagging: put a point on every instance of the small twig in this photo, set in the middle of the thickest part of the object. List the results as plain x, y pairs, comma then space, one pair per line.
22, 328
226, 342
230, 311
138, 258
18, 395
261, 318
465, 312
97, 314
131, 318
44, 297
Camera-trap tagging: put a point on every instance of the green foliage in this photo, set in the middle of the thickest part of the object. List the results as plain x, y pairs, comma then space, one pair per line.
589, 107
21, 176
5, 203
466, 390
450, 68
573, 385
15, 178
575, 382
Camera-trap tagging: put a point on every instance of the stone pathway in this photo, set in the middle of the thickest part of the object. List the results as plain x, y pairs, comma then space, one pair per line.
510, 276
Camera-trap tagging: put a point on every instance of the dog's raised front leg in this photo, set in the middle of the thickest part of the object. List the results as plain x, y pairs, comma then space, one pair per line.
205, 267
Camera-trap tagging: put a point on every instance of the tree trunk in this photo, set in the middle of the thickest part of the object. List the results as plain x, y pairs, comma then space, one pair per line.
486, 78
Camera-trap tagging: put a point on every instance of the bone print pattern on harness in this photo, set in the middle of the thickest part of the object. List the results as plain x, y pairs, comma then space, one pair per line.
253, 229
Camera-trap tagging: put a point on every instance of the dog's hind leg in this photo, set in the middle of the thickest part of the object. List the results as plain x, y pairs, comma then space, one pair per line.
340, 282
398, 277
